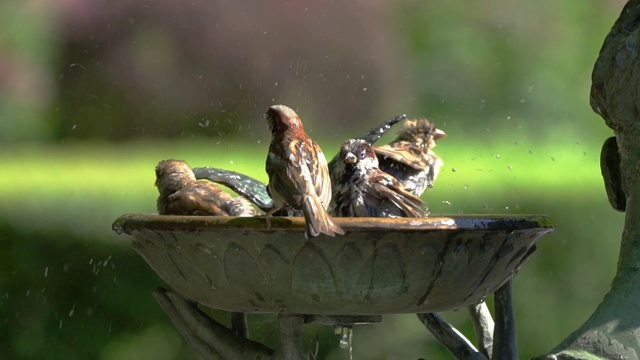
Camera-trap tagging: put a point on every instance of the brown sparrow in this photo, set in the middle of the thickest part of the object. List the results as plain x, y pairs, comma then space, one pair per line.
182, 194
298, 173
360, 188
371, 136
410, 157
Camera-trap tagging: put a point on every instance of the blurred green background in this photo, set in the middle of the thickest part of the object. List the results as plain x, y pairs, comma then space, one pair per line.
94, 93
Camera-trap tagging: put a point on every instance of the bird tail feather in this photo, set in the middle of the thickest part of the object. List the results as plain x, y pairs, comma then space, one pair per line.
317, 219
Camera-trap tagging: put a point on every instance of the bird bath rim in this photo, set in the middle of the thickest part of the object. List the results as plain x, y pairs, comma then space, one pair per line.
380, 266
128, 223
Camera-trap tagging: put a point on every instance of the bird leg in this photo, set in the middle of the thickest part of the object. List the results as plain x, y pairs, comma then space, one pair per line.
267, 217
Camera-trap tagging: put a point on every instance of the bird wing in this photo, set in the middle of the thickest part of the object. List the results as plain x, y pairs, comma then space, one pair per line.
320, 175
386, 187
199, 198
404, 153
370, 136
284, 178
303, 172
254, 190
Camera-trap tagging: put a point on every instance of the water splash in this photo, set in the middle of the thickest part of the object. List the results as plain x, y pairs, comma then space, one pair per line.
346, 338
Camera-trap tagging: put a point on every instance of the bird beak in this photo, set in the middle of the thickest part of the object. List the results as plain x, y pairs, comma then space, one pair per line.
350, 158
439, 134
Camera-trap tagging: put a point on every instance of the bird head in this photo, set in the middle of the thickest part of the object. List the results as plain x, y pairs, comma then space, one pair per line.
282, 118
358, 152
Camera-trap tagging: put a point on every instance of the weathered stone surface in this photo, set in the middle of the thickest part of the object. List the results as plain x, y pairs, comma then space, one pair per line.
613, 330
380, 266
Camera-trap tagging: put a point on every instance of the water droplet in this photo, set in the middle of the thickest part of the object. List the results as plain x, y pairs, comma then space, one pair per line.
344, 341
453, 169
346, 338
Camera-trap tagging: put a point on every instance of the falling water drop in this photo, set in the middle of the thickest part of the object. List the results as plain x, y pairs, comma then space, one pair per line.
346, 338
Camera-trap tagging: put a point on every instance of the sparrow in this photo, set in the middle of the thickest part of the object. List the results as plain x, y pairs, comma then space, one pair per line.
182, 194
360, 188
371, 136
298, 173
410, 157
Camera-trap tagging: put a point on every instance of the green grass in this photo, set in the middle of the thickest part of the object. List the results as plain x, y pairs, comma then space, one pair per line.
115, 173
57, 195
91, 181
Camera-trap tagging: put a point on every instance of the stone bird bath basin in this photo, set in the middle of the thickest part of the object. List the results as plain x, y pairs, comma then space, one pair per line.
381, 265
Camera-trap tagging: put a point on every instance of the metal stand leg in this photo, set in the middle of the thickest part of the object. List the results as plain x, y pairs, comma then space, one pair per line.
450, 337
239, 324
211, 339
483, 327
496, 341
292, 346
505, 340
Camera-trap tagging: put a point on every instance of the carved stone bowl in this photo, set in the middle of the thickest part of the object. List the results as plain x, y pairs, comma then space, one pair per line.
381, 265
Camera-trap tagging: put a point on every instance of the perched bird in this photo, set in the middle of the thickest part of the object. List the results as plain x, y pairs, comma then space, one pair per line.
182, 194
298, 173
371, 136
410, 157
360, 188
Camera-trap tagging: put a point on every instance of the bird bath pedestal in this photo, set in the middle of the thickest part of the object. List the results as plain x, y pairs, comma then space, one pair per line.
380, 266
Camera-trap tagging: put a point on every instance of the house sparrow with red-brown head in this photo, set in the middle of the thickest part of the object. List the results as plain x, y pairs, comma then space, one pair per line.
360, 188
410, 157
298, 173
182, 194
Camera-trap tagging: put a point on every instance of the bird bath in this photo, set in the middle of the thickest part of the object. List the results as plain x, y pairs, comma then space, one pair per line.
380, 266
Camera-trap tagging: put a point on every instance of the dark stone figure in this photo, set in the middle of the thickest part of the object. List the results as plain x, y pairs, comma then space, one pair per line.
612, 331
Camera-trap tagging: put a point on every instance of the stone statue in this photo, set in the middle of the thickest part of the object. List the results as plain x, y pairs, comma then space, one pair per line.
613, 330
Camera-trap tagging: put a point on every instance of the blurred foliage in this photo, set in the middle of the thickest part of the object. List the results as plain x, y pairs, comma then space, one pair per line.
508, 82
57, 230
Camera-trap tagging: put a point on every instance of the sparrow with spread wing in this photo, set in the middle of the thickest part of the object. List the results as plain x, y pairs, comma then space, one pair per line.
360, 188
410, 157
